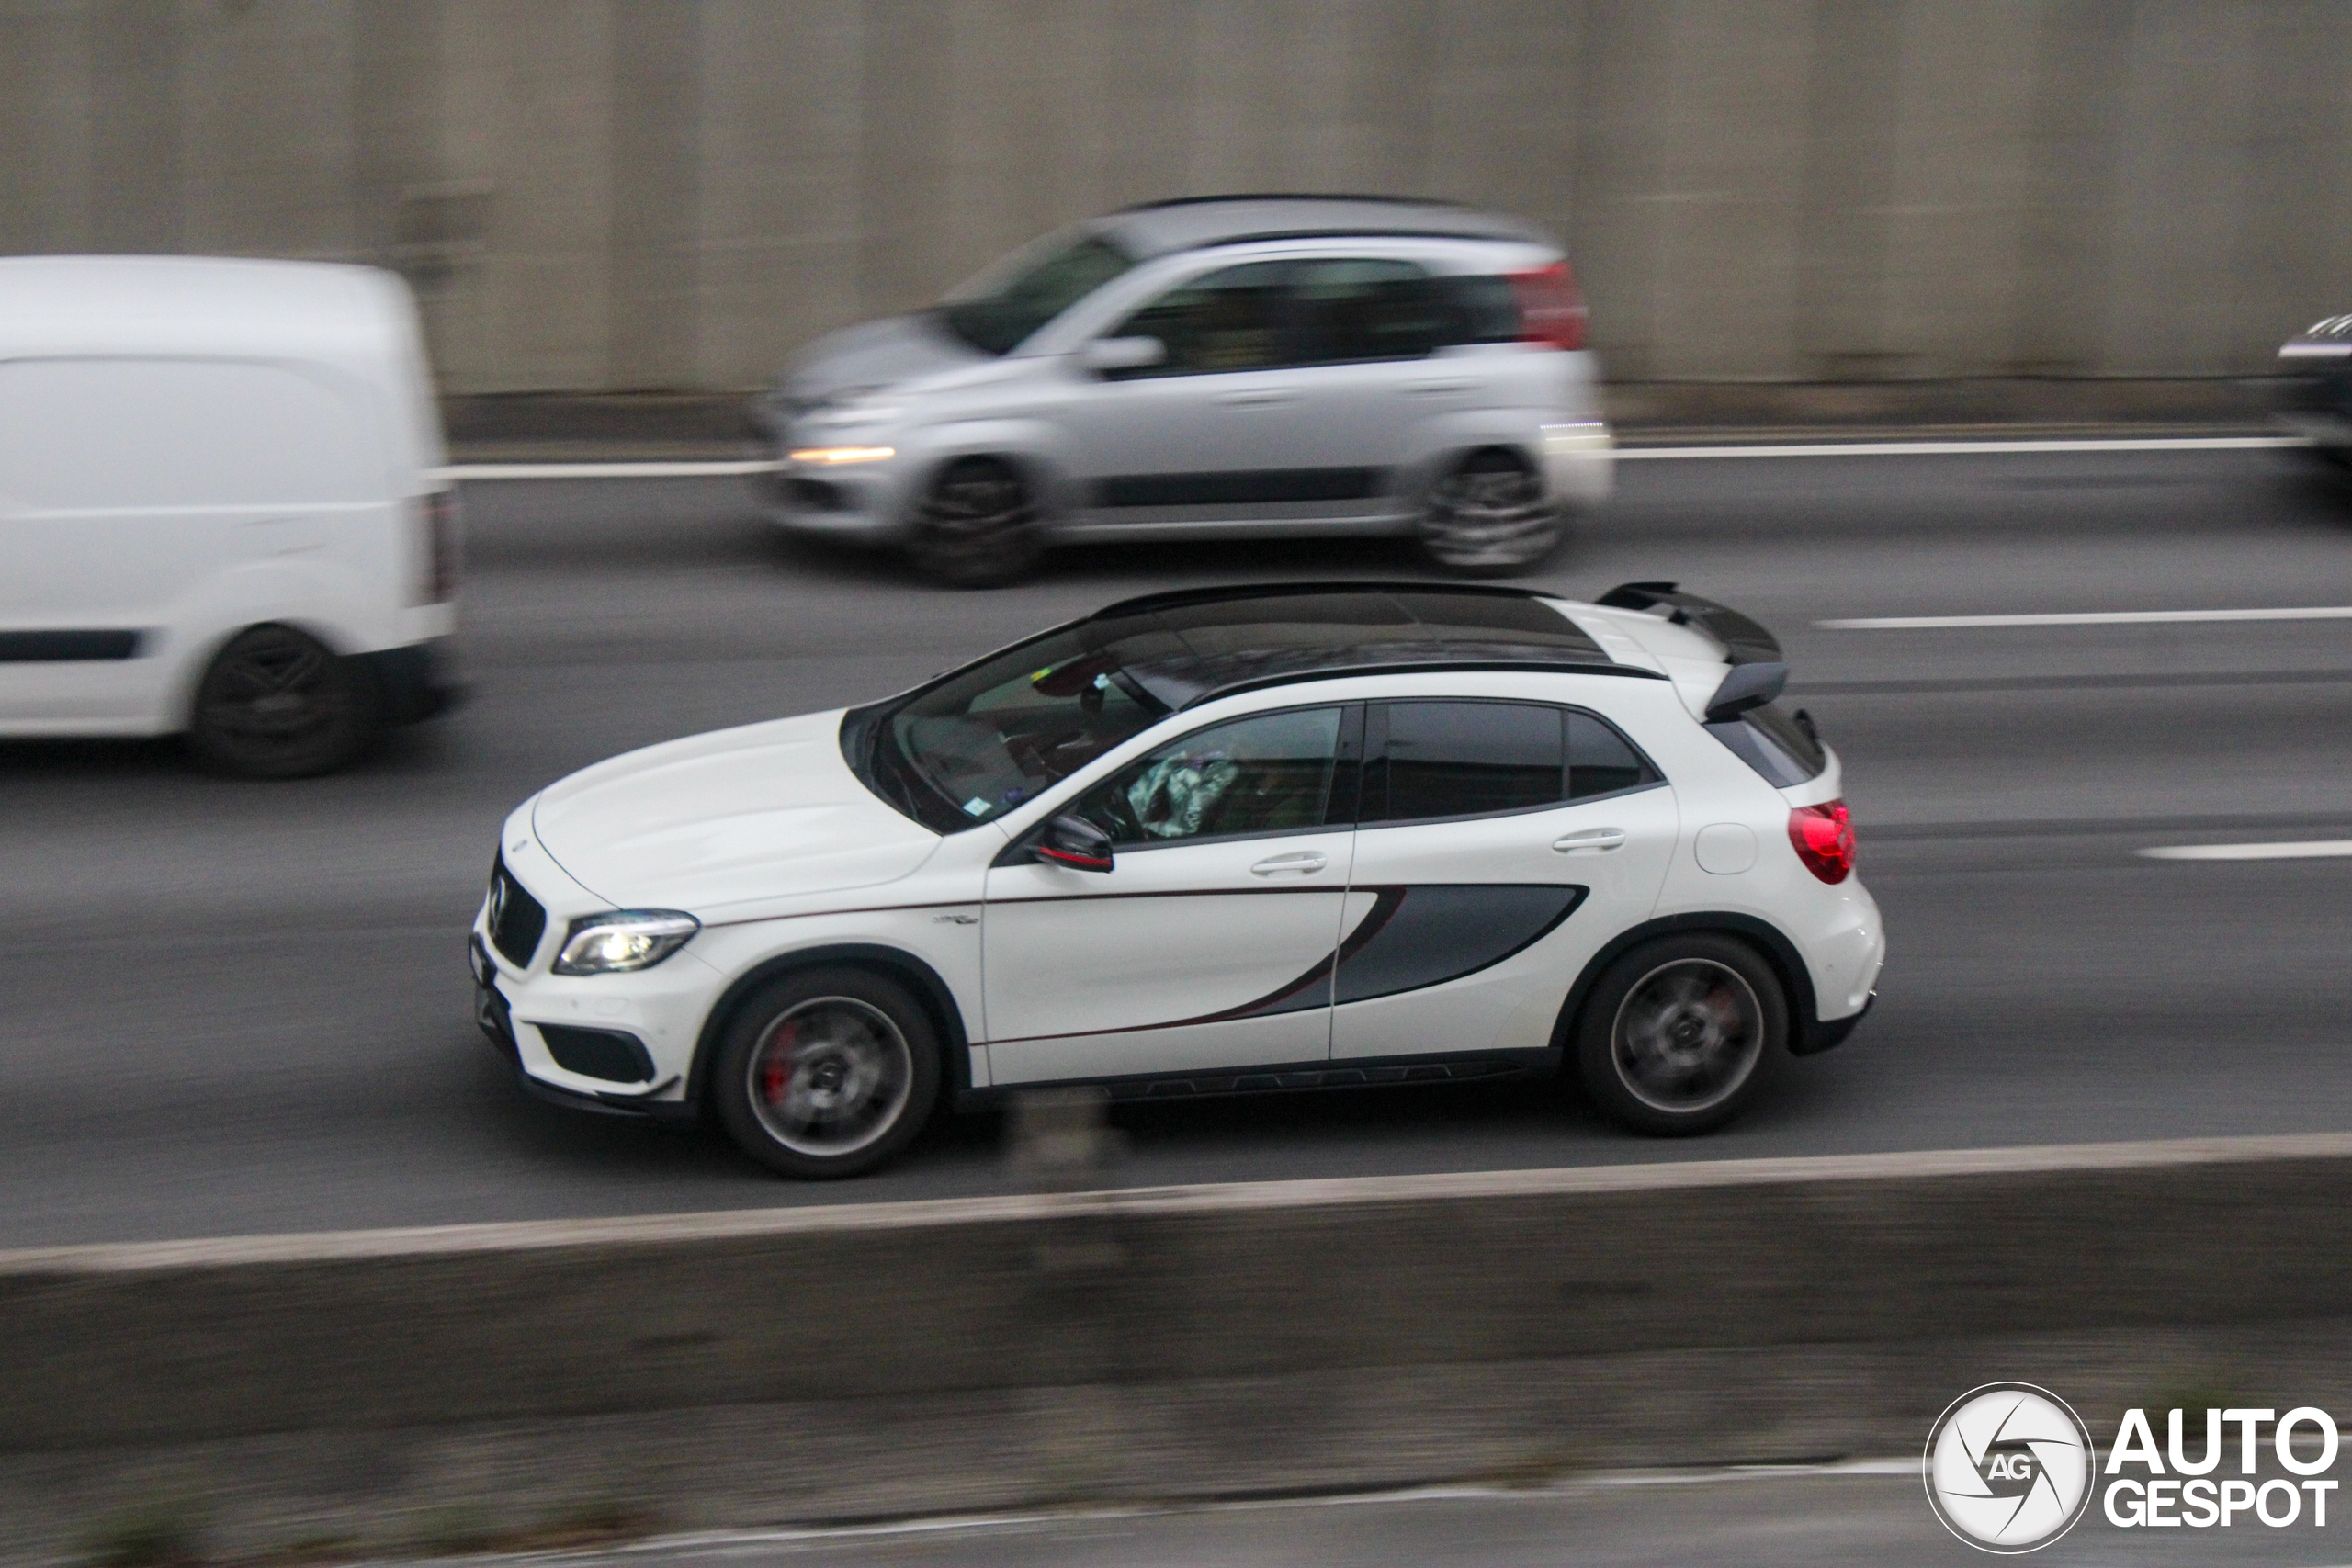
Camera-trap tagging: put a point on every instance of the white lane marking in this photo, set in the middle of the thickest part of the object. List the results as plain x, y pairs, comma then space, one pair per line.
694, 470
723, 469
1966, 449
2316, 849
735, 1541
2086, 618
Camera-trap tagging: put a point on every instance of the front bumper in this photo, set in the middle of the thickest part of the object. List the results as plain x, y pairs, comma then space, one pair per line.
622, 1044
853, 500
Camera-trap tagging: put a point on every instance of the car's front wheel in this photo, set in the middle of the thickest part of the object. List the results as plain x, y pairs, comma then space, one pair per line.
1681, 1033
1489, 517
977, 527
826, 1073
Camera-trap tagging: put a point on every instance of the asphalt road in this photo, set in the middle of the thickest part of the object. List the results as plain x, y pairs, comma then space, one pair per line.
1866, 1516
235, 1008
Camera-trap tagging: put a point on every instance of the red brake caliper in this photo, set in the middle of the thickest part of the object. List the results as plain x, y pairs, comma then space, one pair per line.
775, 1067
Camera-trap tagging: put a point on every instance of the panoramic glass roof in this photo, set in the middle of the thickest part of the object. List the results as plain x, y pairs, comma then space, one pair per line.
1181, 648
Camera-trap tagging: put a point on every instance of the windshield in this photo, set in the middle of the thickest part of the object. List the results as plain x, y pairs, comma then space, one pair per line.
984, 739
1001, 308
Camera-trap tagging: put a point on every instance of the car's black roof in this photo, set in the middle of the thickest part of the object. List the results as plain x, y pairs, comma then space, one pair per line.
1186, 647
1189, 222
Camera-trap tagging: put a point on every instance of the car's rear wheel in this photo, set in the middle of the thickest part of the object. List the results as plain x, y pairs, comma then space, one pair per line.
1682, 1034
827, 1072
977, 527
278, 704
1489, 517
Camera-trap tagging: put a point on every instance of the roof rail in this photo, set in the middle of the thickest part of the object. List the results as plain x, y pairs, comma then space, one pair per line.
1289, 196
1421, 667
1174, 598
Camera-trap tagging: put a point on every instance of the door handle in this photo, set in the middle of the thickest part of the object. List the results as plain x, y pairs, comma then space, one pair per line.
1305, 861
1590, 841
1437, 386
1263, 398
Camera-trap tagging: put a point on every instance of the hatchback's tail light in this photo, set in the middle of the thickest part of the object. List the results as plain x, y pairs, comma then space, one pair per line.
437, 530
1824, 837
1551, 310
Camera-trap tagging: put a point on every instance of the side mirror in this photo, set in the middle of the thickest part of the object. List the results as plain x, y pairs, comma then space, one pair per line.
1747, 687
1071, 842
1106, 355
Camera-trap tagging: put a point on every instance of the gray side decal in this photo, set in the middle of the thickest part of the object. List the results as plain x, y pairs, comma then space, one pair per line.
1430, 934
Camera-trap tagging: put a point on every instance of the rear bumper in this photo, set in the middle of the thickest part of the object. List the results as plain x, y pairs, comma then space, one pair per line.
1580, 463
415, 683
1818, 1035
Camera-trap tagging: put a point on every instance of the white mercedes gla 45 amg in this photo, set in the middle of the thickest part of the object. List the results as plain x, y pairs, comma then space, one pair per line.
1212, 843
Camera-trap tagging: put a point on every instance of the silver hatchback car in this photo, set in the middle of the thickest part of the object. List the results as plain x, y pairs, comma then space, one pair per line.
1212, 367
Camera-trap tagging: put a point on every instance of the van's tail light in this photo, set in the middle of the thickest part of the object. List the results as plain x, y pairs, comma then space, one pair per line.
437, 529
1551, 310
1824, 837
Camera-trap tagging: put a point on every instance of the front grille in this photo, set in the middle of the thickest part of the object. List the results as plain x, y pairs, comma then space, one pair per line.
517, 921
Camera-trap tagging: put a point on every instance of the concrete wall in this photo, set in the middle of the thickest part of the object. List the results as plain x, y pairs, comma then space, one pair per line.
905, 1357
671, 194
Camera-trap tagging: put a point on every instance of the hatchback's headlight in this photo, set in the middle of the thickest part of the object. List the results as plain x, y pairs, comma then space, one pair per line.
624, 940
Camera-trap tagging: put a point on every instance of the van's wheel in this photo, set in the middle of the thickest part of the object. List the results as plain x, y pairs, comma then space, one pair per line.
1489, 517
1682, 1034
977, 527
826, 1073
278, 704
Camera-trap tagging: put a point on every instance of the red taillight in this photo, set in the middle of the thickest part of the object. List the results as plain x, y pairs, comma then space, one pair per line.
436, 516
1549, 309
1824, 837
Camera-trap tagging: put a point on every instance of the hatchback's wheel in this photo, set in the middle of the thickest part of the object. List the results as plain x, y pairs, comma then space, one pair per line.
277, 704
1489, 517
826, 1073
1681, 1032
977, 527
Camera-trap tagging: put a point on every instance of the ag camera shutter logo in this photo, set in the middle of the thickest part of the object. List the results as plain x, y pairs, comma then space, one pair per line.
2008, 1468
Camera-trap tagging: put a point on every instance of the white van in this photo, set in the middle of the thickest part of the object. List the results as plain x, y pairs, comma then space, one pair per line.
221, 508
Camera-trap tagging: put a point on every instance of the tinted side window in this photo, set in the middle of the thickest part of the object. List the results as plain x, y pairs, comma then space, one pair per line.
1370, 310
1233, 320
1601, 761
1487, 308
1461, 759
1268, 773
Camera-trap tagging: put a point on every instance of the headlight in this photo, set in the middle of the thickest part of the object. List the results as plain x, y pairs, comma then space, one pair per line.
833, 456
624, 940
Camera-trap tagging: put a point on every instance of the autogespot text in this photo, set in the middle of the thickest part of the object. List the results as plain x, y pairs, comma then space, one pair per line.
2148, 1487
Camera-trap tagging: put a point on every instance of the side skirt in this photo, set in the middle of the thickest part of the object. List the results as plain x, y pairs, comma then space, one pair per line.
1371, 1072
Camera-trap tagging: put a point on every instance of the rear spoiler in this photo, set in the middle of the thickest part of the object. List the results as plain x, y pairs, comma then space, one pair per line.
1744, 642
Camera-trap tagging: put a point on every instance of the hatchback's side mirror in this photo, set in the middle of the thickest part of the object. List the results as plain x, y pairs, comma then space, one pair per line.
1071, 840
1106, 355
1747, 687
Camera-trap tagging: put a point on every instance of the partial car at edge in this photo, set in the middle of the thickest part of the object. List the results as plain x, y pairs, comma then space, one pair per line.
2315, 388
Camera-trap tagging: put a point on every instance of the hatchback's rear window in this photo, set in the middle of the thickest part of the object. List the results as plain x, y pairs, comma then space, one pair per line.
1780, 745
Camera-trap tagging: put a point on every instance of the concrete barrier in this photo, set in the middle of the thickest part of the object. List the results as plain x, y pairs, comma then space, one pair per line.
864, 1358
